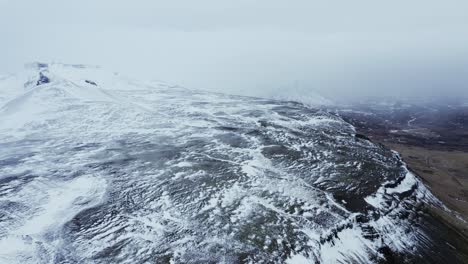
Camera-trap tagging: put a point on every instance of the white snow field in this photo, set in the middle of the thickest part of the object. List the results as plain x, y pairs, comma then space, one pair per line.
99, 168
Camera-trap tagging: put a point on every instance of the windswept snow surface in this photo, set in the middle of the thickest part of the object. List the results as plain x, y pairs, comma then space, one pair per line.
98, 168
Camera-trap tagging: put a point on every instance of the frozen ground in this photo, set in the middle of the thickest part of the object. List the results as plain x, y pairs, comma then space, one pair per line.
98, 168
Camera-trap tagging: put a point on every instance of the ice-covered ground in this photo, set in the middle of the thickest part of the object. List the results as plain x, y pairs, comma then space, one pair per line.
98, 168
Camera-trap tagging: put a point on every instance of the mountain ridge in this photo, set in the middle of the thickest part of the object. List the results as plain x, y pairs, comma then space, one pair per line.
122, 170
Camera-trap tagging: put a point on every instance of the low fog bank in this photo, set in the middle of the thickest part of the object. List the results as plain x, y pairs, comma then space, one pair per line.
341, 51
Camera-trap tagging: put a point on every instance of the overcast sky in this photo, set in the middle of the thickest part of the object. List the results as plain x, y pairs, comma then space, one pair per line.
264, 48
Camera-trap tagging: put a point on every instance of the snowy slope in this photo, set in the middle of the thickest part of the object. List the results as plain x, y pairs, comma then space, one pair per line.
98, 168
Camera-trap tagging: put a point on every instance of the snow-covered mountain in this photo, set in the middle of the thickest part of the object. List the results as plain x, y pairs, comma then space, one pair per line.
99, 168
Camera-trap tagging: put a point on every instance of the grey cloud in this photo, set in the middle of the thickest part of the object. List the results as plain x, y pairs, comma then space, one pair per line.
263, 48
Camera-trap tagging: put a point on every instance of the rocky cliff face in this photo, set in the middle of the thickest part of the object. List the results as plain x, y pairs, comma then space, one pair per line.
98, 168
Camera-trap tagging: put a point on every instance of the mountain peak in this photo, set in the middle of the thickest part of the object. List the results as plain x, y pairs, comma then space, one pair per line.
43, 65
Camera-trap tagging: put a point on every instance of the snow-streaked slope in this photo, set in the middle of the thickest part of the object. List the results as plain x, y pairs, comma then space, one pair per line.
98, 168
306, 96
